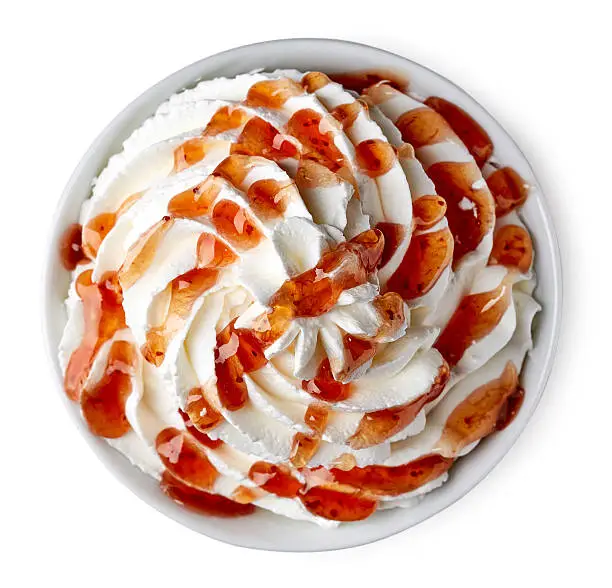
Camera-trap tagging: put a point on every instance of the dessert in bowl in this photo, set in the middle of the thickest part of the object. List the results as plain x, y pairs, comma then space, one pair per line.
300, 295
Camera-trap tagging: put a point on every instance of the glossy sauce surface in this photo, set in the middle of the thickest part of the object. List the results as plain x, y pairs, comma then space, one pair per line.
479, 414
474, 137
509, 190
103, 316
428, 255
103, 404
202, 502
476, 316
70, 250
376, 427
512, 248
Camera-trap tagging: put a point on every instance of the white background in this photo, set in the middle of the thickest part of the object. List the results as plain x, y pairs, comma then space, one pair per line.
542, 68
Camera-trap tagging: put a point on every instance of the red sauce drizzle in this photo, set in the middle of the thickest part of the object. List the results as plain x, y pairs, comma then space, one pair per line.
272, 93
476, 316
512, 248
103, 316
358, 81
338, 505
305, 446
428, 211
474, 137
202, 502
395, 234
454, 182
307, 294
491, 405
261, 138
510, 409
190, 153
269, 198
325, 387
248, 356
394, 480
202, 415
375, 157
142, 253
428, 255
509, 190
96, 229
376, 427
227, 118
275, 478
103, 405
236, 225
305, 125
195, 202
184, 291
185, 458
70, 251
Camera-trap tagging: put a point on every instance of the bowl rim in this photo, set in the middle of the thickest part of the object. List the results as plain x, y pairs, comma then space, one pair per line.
118, 124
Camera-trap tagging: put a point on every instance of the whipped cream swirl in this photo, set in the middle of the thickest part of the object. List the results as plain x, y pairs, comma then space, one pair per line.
298, 298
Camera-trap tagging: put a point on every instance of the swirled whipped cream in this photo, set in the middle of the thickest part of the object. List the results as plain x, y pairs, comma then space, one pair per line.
290, 296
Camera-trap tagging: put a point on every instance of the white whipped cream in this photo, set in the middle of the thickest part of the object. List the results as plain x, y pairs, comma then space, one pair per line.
317, 218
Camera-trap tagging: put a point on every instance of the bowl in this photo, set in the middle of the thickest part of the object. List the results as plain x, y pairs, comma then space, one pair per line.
264, 530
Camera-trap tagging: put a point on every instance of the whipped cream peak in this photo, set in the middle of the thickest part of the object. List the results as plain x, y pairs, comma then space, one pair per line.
291, 295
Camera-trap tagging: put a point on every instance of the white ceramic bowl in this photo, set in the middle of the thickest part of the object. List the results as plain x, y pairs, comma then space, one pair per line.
264, 530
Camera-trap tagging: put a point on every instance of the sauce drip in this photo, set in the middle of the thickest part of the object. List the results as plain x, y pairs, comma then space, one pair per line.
238, 352
185, 458
261, 138
459, 183
201, 413
337, 505
184, 292
478, 415
474, 137
141, 254
198, 435
428, 255
346, 114
395, 234
195, 202
428, 211
312, 293
269, 198
314, 80
202, 502
305, 446
315, 137
421, 126
103, 404
275, 478
357, 352
394, 480
359, 81
272, 93
191, 152
70, 251
97, 228
227, 118
376, 427
235, 168
510, 409
476, 316
103, 316
509, 190
236, 225
325, 387
512, 248
375, 157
